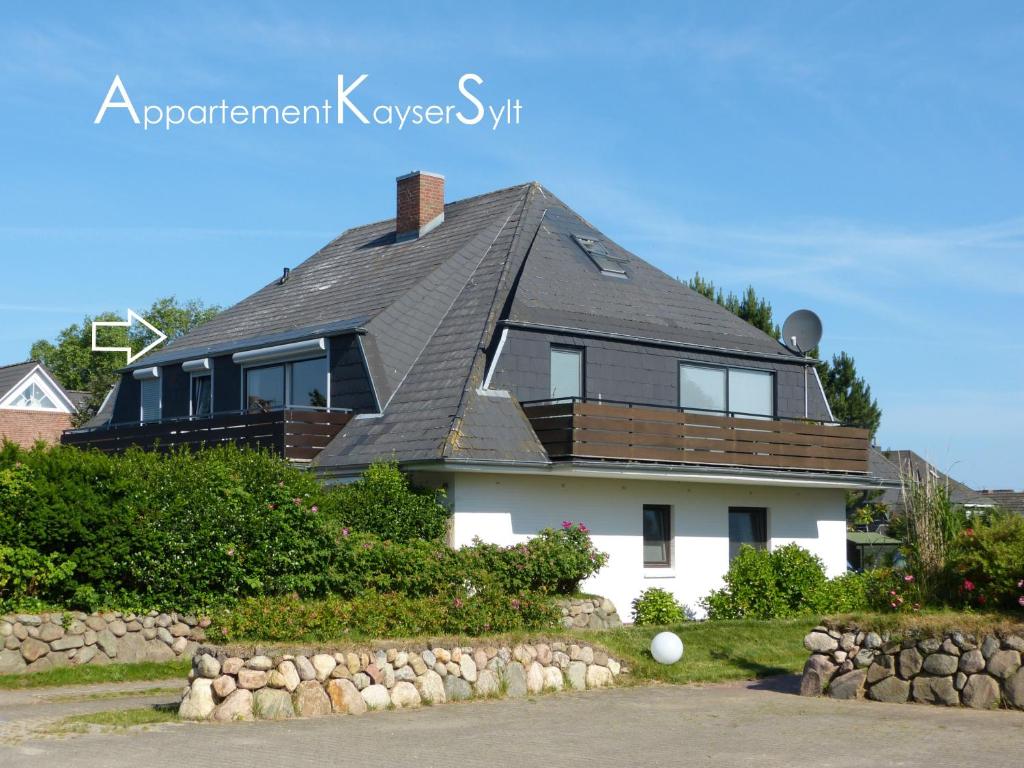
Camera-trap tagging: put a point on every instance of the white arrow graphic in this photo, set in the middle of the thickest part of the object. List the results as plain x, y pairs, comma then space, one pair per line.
132, 317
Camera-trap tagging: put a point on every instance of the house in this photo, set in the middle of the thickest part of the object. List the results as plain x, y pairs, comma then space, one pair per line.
33, 404
911, 465
1011, 501
503, 348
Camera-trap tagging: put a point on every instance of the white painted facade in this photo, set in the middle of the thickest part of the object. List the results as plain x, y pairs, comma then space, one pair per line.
508, 508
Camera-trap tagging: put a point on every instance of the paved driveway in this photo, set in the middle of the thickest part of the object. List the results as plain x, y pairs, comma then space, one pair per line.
740, 725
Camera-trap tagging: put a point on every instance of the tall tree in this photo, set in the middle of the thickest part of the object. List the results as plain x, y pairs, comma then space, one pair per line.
76, 366
849, 395
755, 310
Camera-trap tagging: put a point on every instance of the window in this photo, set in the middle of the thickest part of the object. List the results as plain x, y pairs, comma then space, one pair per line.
33, 396
751, 392
302, 384
657, 536
608, 263
566, 373
149, 391
702, 388
747, 525
202, 395
264, 388
308, 382
727, 390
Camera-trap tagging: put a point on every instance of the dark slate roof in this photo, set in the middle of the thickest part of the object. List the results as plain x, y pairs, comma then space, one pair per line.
560, 286
105, 412
920, 469
12, 374
1013, 501
435, 412
347, 283
428, 310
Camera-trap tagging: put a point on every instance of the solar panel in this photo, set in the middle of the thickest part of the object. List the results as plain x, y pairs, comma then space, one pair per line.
599, 254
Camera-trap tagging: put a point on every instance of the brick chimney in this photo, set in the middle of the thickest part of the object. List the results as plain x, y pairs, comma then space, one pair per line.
420, 204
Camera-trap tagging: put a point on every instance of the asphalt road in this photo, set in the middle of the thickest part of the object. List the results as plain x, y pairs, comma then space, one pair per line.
738, 725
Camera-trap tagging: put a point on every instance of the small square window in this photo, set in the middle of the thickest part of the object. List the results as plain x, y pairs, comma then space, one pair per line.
657, 536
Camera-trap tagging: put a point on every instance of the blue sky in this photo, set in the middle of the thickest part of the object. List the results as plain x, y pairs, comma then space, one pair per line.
860, 159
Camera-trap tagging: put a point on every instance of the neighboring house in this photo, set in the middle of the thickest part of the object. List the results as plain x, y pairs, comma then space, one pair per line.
33, 404
1011, 501
911, 465
503, 348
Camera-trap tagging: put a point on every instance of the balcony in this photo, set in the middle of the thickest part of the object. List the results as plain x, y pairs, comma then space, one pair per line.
297, 434
604, 430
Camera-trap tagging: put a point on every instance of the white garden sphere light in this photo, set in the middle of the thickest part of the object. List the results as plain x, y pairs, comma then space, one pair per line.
667, 648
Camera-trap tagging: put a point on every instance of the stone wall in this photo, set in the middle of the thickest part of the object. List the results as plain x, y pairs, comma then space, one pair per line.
35, 642
588, 612
233, 683
951, 669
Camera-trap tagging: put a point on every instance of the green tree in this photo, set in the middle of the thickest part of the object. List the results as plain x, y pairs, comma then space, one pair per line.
76, 366
849, 396
755, 310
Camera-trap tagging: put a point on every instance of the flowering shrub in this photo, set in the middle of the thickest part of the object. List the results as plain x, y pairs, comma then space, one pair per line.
552, 562
657, 607
985, 565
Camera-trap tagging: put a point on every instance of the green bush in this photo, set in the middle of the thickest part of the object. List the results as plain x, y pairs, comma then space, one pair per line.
382, 502
375, 615
985, 564
553, 561
26, 575
656, 607
787, 581
190, 530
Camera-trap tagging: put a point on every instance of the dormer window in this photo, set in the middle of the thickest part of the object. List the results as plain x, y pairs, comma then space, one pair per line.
32, 396
609, 264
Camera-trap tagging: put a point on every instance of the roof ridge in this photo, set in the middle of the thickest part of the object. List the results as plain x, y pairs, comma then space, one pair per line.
31, 361
491, 319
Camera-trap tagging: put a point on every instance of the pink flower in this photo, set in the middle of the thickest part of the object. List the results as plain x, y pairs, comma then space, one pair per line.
297, 500
968, 585
566, 524
893, 604
457, 602
1020, 584
344, 531
314, 508
892, 591
583, 528
968, 532
1021, 601
908, 577
515, 604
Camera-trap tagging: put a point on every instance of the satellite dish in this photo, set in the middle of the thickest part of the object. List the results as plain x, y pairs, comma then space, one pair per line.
802, 331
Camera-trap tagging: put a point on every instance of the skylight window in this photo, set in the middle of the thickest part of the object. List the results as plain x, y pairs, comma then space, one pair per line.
602, 257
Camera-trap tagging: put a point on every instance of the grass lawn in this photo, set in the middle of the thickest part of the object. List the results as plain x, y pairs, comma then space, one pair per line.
113, 720
714, 651
99, 673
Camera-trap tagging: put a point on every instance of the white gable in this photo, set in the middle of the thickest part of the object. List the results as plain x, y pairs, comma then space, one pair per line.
37, 392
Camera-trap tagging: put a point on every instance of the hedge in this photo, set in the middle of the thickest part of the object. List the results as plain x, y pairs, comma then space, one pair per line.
190, 530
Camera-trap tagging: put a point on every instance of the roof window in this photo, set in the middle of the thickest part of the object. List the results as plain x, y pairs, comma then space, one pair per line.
614, 266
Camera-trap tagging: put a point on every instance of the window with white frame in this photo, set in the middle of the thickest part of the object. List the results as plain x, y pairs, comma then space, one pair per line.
32, 396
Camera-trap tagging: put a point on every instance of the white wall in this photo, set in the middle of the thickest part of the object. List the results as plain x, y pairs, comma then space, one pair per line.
506, 509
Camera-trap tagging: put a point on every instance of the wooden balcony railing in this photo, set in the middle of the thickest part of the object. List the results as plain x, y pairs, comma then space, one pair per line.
291, 433
579, 429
